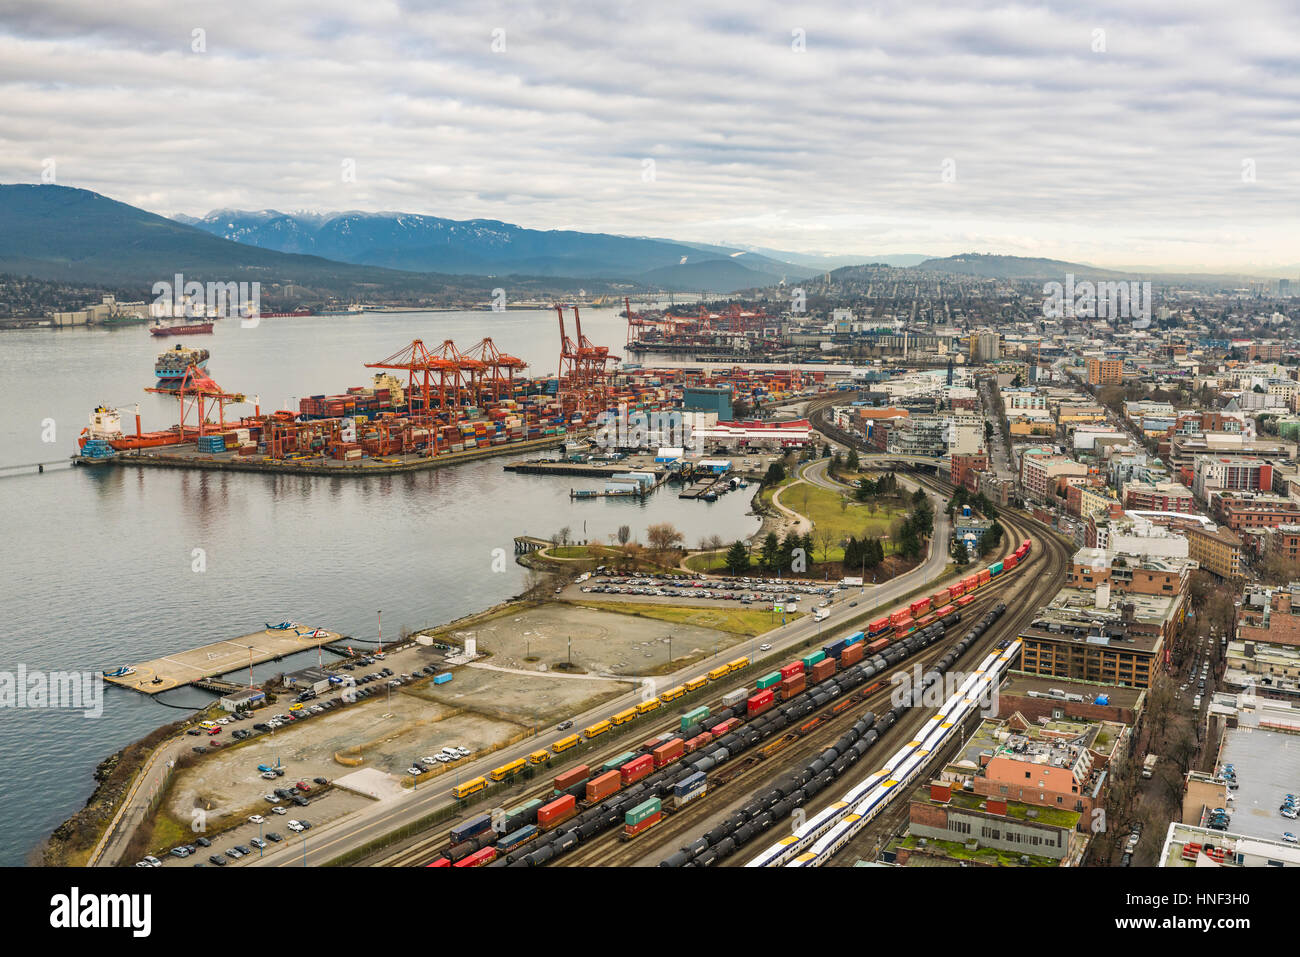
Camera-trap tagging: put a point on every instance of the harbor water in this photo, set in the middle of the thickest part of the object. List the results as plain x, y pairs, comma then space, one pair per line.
106, 567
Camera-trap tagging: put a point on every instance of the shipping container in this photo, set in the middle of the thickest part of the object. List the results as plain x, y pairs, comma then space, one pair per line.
919, 607
946, 610
970, 583
792, 669
823, 670
732, 698
636, 769
551, 816
718, 730
876, 647
877, 627
939, 598
812, 659
642, 811
688, 784
668, 752
760, 702
478, 859
517, 839
601, 787
834, 648
995, 569
984, 576
897, 616
442, 679
1010, 562
793, 685
957, 590
851, 655
854, 638
569, 778
474, 826
965, 600
613, 764
694, 716
632, 830
768, 680
697, 742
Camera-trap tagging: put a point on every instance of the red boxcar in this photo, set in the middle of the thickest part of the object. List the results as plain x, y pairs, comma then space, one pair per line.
720, 729
939, 598
876, 647
667, 753
760, 702
794, 684
792, 669
636, 769
1009, 562
601, 787
919, 607
552, 815
698, 742
897, 616
971, 583
439, 862
569, 778
927, 620
957, 590
478, 858
851, 655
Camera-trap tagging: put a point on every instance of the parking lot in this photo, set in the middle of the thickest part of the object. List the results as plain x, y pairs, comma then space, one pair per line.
759, 593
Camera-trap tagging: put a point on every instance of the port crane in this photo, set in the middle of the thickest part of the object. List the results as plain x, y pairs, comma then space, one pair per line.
584, 370
198, 393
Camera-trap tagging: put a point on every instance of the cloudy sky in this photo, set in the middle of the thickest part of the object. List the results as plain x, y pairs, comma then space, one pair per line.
1124, 133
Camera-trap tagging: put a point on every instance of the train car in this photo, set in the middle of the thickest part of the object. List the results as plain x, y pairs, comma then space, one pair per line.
668, 752
518, 839
689, 788
965, 600
929, 619
897, 616
1026, 546
641, 818
737, 664
939, 598
957, 590
719, 673
468, 788
672, 694
985, 576
439, 862
479, 858
552, 815
613, 764
904, 627
596, 730
602, 786
823, 669
636, 769
699, 741
565, 743
539, 757
879, 645
471, 828
970, 583
834, 649
795, 684
995, 569
695, 684
760, 702
623, 717
1010, 562
851, 655
718, 730
768, 680
645, 707
792, 669
946, 610
508, 770
919, 607
854, 638
569, 778
694, 716
877, 628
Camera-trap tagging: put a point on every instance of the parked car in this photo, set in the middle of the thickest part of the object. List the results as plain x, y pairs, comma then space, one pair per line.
273, 837
218, 860
279, 810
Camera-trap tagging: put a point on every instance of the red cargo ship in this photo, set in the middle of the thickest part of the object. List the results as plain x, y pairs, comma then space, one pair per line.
193, 328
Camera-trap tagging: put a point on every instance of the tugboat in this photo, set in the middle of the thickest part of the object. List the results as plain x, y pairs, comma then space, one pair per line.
171, 365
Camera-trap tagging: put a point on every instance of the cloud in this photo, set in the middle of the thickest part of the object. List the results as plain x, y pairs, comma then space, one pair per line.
913, 124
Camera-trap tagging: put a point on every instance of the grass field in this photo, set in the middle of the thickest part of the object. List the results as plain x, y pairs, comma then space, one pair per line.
841, 515
737, 621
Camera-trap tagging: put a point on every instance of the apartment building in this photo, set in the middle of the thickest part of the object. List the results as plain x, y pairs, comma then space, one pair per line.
1040, 468
1157, 497
1234, 473
1105, 371
1251, 512
1217, 550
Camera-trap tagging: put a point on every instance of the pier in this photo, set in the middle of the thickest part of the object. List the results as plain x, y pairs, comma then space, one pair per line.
199, 666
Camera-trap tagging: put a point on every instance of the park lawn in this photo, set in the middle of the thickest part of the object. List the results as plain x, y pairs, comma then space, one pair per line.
823, 506
765, 496
737, 621
707, 561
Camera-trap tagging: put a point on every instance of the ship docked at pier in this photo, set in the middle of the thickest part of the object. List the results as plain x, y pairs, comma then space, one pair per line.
171, 365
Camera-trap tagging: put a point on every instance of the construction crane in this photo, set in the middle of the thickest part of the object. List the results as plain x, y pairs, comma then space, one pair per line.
584, 370
197, 393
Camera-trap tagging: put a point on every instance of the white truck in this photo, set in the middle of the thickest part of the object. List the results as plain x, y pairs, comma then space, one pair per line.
821, 614
1149, 765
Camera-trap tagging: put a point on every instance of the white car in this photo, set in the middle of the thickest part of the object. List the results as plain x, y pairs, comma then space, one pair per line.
464, 752
428, 760
271, 798
279, 810
294, 826
443, 759
764, 647
414, 771
1289, 837
256, 819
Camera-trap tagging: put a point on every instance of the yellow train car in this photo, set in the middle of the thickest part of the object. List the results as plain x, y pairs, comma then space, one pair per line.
597, 729
468, 788
695, 684
565, 743
623, 717
508, 770
738, 664
672, 694
719, 672
645, 707
539, 757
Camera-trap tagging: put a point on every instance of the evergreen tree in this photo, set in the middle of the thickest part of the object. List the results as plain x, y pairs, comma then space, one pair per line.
737, 558
853, 462
771, 551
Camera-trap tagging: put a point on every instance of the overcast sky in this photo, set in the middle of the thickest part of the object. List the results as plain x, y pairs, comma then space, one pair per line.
1125, 133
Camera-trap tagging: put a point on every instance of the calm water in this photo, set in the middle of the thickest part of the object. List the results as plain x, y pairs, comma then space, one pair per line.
96, 565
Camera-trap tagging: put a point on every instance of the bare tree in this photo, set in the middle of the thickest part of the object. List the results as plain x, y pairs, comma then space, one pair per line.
562, 536
663, 537
624, 534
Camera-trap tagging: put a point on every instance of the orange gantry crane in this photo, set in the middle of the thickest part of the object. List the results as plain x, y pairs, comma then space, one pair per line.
585, 370
198, 393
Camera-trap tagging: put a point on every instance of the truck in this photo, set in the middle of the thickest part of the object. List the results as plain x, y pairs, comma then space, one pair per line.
821, 614
1149, 765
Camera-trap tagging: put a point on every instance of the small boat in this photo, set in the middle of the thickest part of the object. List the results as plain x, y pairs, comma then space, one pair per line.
119, 673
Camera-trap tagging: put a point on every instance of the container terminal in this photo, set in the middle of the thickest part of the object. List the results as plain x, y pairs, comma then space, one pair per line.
426, 407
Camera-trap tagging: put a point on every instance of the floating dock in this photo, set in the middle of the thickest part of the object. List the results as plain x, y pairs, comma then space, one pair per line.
221, 657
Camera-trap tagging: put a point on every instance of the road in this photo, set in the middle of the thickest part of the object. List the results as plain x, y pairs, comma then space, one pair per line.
328, 841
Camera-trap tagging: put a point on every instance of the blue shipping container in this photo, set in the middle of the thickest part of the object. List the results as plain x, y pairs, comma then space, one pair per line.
854, 638
442, 679
687, 785
475, 825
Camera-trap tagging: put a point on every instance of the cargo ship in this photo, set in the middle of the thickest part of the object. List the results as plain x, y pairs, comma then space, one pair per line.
106, 426
181, 329
171, 365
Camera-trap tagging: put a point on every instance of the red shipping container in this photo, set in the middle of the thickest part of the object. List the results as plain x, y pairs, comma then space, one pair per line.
823, 670
793, 685
719, 730
877, 626
760, 702
599, 788
876, 647
939, 598
985, 576
569, 778
698, 742
972, 582
636, 769
792, 669
632, 830
957, 590
902, 626
896, 617
920, 607
669, 752
851, 655
557, 812
1009, 562
650, 745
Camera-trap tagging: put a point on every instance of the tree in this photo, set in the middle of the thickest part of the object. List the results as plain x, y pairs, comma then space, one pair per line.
826, 451
663, 537
788, 545
827, 538
853, 462
737, 558
716, 543
775, 474
624, 534
770, 551
562, 536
